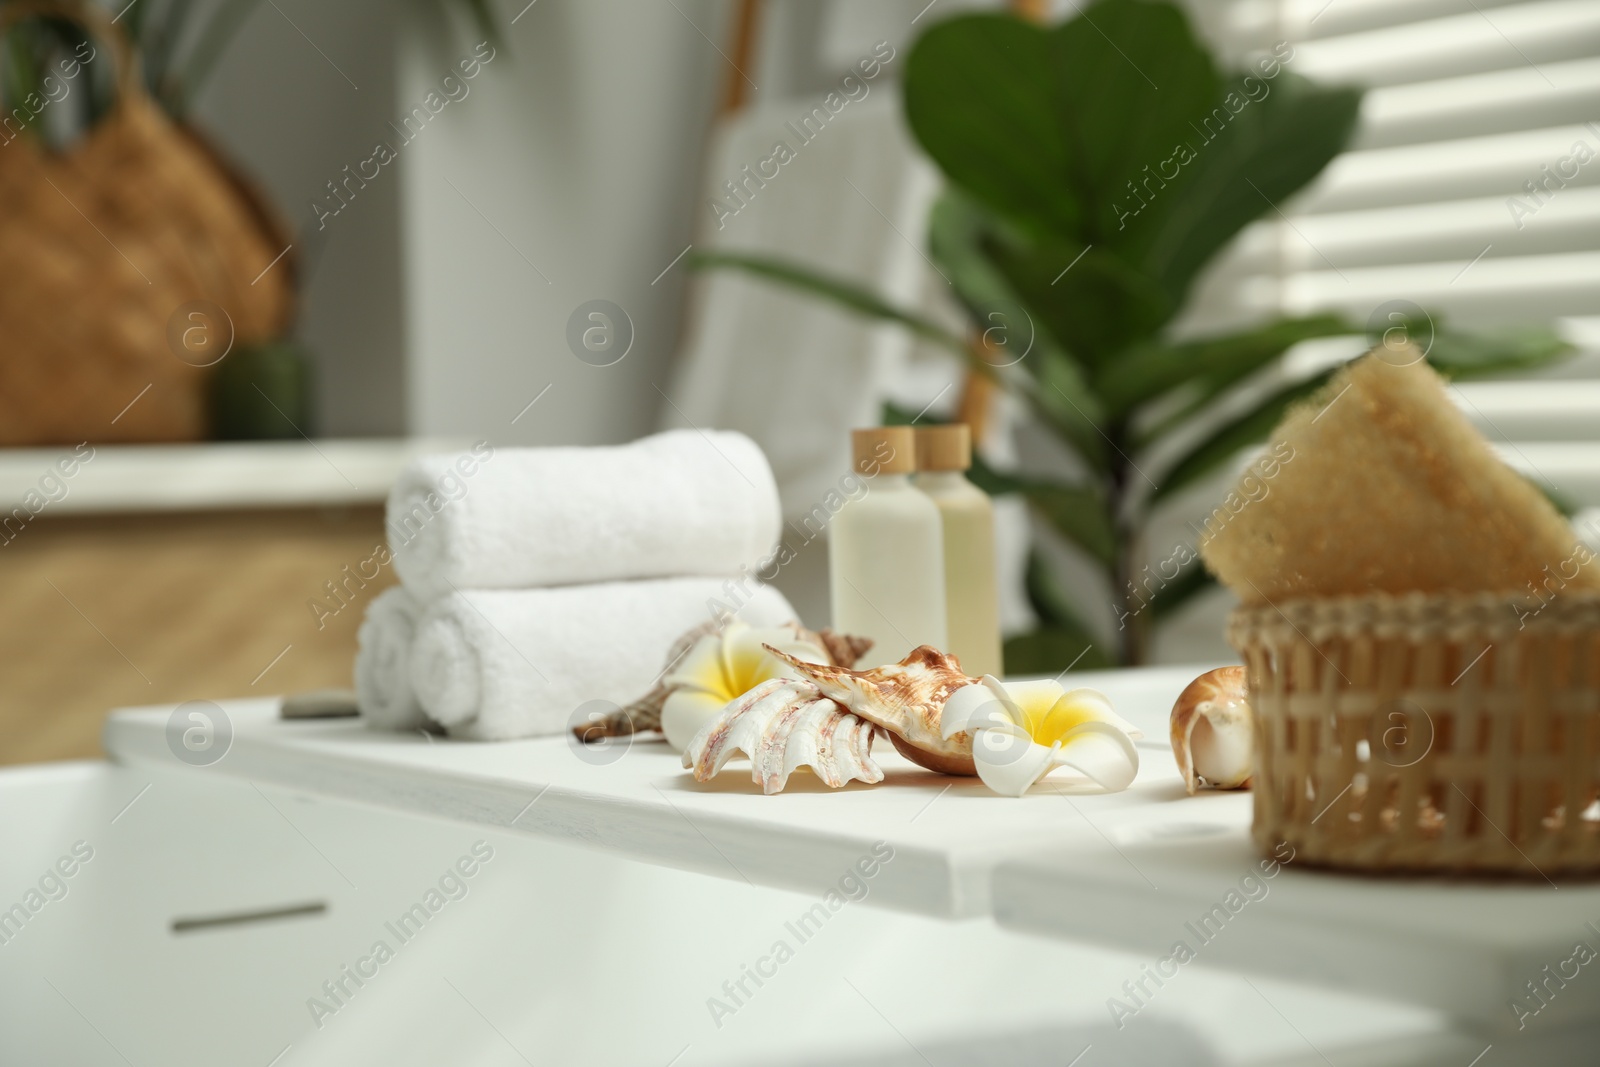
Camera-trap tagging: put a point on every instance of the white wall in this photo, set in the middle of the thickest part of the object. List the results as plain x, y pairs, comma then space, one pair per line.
567, 175
581, 143
292, 121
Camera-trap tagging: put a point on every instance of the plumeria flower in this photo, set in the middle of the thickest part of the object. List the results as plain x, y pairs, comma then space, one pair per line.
1021, 731
722, 667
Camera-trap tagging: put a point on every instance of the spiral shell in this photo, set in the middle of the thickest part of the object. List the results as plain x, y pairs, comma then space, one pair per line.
1213, 731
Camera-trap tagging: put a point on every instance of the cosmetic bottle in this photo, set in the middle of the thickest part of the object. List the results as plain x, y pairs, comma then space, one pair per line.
972, 602
886, 552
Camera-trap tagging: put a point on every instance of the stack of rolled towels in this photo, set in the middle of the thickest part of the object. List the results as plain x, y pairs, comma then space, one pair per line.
538, 581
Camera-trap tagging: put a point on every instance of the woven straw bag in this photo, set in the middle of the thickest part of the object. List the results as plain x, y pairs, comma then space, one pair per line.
1427, 733
107, 250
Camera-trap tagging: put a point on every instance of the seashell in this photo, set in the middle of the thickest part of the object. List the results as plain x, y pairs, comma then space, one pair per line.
1213, 731
905, 699
844, 650
720, 668
644, 714
827, 717
783, 724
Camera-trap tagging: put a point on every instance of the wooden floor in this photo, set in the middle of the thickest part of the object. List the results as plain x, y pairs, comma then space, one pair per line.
103, 612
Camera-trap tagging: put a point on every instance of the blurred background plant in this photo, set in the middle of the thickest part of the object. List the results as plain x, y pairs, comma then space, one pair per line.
263, 390
179, 44
1081, 204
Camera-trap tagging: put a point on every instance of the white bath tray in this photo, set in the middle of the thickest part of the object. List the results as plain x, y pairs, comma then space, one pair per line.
947, 833
1127, 870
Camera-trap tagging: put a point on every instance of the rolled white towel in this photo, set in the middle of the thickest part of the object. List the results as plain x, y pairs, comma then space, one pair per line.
383, 662
496, 664
676, 503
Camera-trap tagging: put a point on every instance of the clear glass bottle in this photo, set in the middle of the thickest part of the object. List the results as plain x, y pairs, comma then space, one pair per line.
886, 552
972, 613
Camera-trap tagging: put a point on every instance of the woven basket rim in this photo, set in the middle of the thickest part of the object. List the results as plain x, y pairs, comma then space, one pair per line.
1392, 600
1455, 613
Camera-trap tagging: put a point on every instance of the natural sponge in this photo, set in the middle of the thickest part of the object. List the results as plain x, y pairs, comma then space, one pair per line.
1382, 485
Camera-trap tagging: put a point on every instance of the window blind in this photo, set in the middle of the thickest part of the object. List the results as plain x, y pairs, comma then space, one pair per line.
1472, 187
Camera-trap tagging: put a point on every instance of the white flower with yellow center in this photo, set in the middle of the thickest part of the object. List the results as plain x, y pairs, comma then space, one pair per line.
722, 667
1021, 731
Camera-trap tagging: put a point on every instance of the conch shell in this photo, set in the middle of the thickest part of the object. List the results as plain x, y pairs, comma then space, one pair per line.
644, 714
783, 724
827, 718
1213, 731
906, 699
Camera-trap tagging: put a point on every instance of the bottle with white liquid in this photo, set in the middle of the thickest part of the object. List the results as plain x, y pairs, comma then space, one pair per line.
972, 613
886, 552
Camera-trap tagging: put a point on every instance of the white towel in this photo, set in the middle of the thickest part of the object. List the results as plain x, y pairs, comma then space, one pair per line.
792, 371
677, 503
496, 664
383, 655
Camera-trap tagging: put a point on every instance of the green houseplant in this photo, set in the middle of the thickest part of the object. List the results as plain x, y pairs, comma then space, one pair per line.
1092, 170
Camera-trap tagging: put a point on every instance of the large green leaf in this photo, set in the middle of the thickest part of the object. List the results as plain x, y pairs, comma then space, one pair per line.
847, 294
1130, 79
1062, 640
1063, 400
1078, 514
1462, 357
1046, 597
21, 73
978, 99
1052, 128
1048, 386
485, 21
1266, 152
1087, 297
1152, 370
958, 231
1191, 581
222, 23
1457, 356
1051, 650
961, 236
1558, 499
159, 37
1236, 435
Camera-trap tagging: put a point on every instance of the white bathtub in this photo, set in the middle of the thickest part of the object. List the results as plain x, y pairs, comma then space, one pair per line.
545, 954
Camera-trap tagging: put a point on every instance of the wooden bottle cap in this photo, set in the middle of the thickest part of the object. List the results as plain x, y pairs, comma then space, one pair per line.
883, 450
944, 448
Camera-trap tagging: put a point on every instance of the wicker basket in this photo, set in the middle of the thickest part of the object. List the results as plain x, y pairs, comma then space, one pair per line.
1427, 733
106, 246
